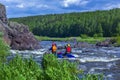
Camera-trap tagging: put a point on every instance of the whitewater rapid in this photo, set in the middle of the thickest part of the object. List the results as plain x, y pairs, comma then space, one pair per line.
104, 60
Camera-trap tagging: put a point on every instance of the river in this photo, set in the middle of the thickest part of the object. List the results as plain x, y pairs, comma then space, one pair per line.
105, 60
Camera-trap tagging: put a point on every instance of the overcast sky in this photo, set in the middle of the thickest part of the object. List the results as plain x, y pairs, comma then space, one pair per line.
20, 8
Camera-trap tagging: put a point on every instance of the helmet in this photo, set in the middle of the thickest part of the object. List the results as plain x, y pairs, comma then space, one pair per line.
68, 44
53, 44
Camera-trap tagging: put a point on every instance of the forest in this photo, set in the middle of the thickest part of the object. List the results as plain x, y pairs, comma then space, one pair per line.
98, 23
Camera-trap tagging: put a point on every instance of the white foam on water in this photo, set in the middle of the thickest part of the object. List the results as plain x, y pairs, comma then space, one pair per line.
13, 51
93, 59
38, 57
26, 56
97, 59
92, 53
75, 55
81, 59
92, 70
109, 76
37, 52
109, 65
76, 51
40, 51
111, 51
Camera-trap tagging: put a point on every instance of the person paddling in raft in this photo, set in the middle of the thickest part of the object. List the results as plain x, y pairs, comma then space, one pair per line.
54, 49
67, 50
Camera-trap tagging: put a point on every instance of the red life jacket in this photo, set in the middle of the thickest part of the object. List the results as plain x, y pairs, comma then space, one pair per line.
68, 49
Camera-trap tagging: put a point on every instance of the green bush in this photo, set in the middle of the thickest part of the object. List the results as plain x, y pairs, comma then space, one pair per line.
27, 69
4, 50
92, 77
118, 40
98, 35
84, 36
95, 35
20, 69
55, 69
50, 69
1, 34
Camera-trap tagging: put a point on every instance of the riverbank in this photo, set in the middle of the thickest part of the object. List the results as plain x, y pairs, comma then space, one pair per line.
78, 39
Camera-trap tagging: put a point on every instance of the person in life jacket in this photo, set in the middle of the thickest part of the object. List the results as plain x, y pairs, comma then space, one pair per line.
68, 49
54, 48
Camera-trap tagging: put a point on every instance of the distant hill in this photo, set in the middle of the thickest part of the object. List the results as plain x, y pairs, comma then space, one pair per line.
98, 23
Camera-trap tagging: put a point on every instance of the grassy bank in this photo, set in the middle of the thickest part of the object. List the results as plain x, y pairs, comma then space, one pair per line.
79, 39
50, 69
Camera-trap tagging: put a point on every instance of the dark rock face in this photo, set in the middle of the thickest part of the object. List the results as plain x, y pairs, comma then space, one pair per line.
21, 37
3, 28
3, 17
16, 35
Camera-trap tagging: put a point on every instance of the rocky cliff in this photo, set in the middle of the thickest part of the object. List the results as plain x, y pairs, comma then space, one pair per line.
16, 35
3, 17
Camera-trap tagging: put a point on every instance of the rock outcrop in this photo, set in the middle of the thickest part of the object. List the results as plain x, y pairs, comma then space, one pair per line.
16, 35
21, 37
106, 43
3, 17
3, 28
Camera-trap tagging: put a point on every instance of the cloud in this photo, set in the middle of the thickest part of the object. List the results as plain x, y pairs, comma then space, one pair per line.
20, 6
67, 3
13, 1
25, 4
111, 6
103, 5
84, 2
42, 6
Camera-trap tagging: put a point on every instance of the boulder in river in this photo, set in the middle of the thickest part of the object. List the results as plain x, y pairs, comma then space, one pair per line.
106, 43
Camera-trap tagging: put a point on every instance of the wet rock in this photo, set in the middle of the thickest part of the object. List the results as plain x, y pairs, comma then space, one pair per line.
82, 45
106, 43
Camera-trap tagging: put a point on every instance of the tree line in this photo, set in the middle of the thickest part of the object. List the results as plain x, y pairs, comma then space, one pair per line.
97, 23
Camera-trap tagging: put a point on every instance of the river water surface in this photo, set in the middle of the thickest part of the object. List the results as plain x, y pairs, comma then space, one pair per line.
105, 60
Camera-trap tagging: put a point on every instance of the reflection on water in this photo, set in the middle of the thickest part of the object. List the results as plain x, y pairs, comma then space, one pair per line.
104, 60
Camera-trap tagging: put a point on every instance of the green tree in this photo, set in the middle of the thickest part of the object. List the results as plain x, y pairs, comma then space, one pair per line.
118, 29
